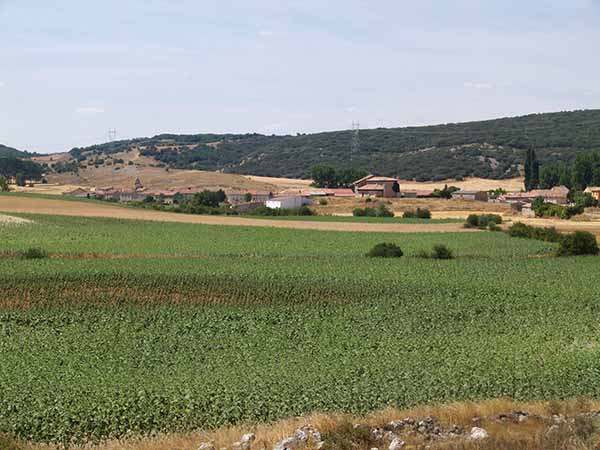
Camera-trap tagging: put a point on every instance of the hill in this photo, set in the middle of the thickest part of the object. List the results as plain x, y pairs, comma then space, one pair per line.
486, 149
10, 152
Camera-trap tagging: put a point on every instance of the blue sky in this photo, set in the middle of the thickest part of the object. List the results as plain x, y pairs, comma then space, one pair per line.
72, 69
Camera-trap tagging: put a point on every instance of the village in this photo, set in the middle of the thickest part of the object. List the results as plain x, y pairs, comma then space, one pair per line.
371, 187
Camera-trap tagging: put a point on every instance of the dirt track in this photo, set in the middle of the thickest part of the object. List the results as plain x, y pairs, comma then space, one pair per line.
17, 204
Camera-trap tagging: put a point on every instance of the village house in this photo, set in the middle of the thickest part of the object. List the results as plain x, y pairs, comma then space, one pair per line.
79, 193
376, 186
239, 197
594, 191
424, 193
287, 202
480, 196
558, 195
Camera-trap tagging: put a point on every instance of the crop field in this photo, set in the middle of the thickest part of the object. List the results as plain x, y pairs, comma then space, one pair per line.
132, 327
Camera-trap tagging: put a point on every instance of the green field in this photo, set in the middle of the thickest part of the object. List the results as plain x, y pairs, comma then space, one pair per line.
142, 327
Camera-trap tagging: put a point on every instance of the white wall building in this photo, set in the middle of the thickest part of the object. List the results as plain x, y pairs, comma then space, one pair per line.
287, 202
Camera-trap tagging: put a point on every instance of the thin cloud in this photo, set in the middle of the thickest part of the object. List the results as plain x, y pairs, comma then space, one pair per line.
89, 110
479, 86
265, 33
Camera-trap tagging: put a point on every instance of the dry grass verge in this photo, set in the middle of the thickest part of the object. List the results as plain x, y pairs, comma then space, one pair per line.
567, 425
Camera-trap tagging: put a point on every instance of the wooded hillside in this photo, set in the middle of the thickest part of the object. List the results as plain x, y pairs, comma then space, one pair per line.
488, 149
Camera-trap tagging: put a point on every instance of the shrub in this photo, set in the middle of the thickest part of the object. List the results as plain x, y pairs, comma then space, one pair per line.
578, 243
385, 250
34, 253
417, 214
380, 211
493, 227
384, 211
441, 252
521, 230
482, 221
323, 202
472, 221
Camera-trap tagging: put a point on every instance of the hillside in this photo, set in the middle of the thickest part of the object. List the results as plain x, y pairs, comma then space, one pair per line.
12, 152
487, 149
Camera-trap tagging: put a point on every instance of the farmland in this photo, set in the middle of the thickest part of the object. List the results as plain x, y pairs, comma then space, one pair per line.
132, 327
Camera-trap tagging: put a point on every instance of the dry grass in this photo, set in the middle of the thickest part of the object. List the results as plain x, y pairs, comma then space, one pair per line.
159, 177
481, 184
578, 432
440, 208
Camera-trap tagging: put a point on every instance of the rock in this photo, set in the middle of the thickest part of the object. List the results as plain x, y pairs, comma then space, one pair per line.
250, 437
478, 434
307, 433
245, 443
377, 434
389, 436
206, 446
395, 425
289, 443
301, 435
320, 445
558, 418
396, 444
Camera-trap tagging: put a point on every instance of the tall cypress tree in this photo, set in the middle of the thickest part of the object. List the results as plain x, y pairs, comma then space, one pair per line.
532, 170
535, 171
528, 170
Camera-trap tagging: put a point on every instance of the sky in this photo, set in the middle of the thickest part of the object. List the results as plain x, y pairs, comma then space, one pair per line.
70, 70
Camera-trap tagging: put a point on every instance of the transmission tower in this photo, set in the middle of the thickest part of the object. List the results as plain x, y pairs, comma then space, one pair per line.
355, 149
112, 135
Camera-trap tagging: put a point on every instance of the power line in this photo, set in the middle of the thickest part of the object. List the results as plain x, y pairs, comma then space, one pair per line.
355, 148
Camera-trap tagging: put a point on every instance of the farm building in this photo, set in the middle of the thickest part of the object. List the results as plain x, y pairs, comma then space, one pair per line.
558, 195
480, 196
132, 196
417, 194
595, 191
375, 186
239, 197
287, 202
79, 193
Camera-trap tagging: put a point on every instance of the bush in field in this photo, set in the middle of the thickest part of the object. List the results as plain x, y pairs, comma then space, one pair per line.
441, 252
380, 211
578, 243
34, 253
417, 214
482, 221
384, 211
385, 250
521, 230
323, 202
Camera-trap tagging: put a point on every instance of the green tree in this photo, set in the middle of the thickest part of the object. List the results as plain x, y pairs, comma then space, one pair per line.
20, 179
583, 170
532, 170
248, 197
324, 176
3, 185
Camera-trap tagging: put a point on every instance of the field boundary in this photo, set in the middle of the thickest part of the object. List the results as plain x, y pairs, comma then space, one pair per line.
35, 205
